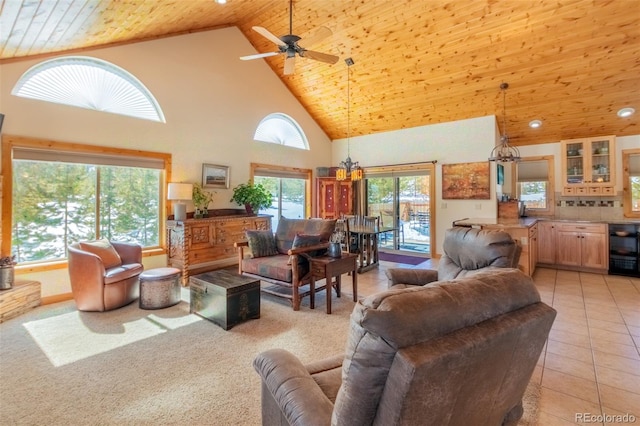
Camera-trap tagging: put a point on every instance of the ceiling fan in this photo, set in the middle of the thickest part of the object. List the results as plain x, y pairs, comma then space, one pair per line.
289, 45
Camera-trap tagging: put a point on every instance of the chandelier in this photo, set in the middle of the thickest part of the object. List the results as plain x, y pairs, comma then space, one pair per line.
348, 167
503, 152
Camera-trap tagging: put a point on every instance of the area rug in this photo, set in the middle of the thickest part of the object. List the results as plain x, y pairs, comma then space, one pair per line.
165, 367
400, 258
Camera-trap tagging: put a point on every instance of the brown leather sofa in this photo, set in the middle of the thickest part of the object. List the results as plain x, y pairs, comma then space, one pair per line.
467, 251
104, 275
451, 353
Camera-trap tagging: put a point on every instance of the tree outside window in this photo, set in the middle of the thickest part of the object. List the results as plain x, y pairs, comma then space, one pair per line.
56, 204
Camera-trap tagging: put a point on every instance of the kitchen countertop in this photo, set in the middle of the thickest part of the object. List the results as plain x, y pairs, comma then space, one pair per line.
526, 222
523, 222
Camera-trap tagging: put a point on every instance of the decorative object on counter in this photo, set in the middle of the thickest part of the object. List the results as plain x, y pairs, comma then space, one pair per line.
466, 181
253, 197
201, 200
503, 152
179, 192
214, 176
7, 264
349, 168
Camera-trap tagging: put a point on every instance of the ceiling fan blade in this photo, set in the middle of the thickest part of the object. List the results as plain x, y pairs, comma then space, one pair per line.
320, 34
318, 56
289, 65
266, 34
258, 56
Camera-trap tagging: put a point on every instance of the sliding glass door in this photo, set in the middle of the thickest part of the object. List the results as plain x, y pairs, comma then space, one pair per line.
402, 200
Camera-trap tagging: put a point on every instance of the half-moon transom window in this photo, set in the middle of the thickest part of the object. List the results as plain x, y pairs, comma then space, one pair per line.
89, 83
281, 129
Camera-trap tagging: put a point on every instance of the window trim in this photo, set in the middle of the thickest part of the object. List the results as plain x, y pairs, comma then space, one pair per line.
10, 142
293, 172
551, 192
626, 183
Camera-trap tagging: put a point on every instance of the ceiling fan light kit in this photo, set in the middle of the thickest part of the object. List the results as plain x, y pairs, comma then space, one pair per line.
289, 45
503, 153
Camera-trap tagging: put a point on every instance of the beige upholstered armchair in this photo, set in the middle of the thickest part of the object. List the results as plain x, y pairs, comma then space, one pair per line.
448, 353
467, 251
104, 275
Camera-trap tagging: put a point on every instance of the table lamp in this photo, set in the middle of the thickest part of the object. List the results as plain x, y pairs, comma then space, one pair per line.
179, 192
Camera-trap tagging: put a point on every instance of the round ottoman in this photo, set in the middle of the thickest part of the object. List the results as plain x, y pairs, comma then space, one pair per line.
159, 288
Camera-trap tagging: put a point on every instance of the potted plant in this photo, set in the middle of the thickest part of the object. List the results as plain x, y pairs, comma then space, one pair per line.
252, 197
201, 199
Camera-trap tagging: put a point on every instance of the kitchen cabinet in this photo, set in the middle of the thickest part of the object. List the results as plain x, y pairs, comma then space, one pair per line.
547, 242
335, 197
588, 166
200, 245
582, 245
526, 238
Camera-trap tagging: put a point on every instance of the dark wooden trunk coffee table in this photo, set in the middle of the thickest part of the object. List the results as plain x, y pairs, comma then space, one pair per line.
328, 267
224, 297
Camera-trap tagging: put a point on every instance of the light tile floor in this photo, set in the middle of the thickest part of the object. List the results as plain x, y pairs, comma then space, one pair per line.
591, 364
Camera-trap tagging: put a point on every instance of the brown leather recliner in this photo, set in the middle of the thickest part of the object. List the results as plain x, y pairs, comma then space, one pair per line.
104, 275
451, 353
467, 251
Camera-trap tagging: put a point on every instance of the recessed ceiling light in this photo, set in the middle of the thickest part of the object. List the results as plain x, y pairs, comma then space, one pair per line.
626, 112
534, 124
221, 1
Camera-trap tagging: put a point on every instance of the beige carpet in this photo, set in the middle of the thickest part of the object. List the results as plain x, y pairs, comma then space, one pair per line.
135, 367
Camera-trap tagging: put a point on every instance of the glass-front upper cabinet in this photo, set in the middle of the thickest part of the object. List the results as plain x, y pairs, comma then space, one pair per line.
588, 166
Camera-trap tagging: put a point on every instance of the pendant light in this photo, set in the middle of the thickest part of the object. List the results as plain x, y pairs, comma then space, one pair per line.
349, 167
504, 153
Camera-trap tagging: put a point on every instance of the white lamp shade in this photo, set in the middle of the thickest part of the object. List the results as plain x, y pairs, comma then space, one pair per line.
180, 191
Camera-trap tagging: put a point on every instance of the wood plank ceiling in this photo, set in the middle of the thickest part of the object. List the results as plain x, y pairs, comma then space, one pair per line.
570, 63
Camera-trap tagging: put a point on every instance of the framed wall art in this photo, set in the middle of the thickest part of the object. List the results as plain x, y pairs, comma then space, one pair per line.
214, 176
466, 181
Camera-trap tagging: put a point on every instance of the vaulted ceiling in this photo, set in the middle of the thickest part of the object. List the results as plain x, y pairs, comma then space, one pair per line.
570, 63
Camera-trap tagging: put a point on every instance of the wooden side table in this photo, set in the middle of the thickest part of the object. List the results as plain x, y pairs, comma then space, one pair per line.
328, 267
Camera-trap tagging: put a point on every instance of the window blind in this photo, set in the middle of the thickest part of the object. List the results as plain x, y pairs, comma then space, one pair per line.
34, 154
533, 171
634, 165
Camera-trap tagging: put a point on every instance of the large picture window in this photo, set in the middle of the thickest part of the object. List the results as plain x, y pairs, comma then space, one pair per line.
59, 198
290, 188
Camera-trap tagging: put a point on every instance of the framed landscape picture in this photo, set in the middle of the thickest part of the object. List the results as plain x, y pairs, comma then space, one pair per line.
214, 176
466, 181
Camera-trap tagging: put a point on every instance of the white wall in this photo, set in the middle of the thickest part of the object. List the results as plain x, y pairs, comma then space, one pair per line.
463, 141
212, 102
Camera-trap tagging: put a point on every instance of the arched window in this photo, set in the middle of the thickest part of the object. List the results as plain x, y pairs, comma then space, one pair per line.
281, 129
89, 83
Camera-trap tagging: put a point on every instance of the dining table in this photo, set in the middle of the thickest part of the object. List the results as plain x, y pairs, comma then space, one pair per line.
366, 237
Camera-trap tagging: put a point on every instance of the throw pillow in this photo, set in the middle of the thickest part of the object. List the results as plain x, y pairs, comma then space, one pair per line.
261, 243
104, 250
305, 240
